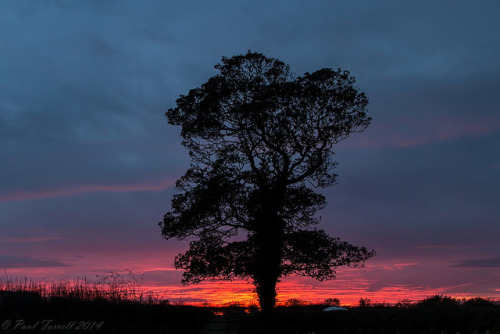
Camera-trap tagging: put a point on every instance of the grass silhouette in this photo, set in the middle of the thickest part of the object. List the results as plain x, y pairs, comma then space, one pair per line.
114, 287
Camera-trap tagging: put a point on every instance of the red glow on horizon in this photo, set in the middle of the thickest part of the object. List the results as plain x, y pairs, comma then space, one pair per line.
242, 293
349, 290
381, 281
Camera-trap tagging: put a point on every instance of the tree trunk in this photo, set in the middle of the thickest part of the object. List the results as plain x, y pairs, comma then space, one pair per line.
266, 291
268, 238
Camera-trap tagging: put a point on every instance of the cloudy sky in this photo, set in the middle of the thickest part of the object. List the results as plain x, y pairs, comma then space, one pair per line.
88, 162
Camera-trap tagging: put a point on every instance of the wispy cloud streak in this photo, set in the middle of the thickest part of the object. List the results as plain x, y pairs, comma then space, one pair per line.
23, 195
7, 261
478, 263
422, 133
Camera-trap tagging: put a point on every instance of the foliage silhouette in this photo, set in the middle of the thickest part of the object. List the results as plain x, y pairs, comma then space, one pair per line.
260, 139
438, 300
331, 302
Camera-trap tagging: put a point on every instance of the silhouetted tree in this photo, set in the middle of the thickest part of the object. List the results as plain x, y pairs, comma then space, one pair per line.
331, 302
260, 139
365, 302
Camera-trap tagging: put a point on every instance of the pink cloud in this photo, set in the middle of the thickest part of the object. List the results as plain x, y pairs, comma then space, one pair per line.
23, 195
415, 132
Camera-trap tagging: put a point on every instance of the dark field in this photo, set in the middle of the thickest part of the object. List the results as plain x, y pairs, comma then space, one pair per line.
29, 312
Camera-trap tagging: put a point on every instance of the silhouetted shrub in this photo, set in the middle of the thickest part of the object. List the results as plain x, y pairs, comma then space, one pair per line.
478, 301
404, 303
295, 302
331, 302
438, 300
364, 302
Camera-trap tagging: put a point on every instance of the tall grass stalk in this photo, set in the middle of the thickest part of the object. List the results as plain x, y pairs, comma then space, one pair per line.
114, 287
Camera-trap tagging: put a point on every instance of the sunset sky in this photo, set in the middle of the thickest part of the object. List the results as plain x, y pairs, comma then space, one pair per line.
88, 161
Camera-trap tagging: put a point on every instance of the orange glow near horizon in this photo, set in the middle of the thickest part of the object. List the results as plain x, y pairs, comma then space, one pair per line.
241, 293
380, 283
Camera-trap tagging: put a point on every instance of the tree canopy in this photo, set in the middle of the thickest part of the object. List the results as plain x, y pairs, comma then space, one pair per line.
261, 141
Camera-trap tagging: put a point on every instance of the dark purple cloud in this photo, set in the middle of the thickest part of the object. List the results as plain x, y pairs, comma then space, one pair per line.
478, 263
28, 262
